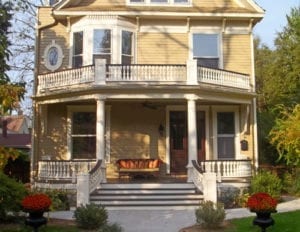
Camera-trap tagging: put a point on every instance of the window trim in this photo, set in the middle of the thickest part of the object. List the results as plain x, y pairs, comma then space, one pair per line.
70, 111
235, 110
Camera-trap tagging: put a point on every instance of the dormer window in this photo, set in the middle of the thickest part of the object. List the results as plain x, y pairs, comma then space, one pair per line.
206, 50
102, 45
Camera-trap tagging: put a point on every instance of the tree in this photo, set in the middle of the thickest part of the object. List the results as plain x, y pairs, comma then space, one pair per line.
278, 81
285, 135
5, 18
22, 46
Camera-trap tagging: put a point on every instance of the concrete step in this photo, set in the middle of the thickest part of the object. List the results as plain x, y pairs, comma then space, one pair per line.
147, 195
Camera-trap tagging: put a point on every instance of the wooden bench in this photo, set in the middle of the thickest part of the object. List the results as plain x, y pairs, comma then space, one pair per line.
134, 167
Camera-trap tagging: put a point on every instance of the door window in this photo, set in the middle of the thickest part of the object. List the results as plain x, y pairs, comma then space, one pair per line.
226, 135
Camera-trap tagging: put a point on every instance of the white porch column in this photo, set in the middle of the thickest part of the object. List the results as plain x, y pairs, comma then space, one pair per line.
192, 134
100, 133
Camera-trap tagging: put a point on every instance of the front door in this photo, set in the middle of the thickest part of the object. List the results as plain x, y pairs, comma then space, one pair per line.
201, 135
178, 141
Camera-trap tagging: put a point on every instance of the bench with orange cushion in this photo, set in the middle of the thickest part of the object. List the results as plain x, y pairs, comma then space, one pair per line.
132, 167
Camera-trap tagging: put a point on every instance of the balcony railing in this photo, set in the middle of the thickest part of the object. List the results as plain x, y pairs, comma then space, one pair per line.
103, 74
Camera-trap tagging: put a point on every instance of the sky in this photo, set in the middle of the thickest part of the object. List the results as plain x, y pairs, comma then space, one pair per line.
274, 20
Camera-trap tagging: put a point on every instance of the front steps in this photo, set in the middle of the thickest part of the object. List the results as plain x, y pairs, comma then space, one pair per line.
147, 196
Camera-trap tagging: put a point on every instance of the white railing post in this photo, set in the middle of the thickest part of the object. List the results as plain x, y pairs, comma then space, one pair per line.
192, 72
210, 186
100, 71
83, 189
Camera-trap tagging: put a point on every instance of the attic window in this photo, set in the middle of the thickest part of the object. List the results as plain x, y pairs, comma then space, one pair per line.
159, 2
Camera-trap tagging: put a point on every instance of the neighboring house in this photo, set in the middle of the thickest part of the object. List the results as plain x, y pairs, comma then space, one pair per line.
15, 132
136, 79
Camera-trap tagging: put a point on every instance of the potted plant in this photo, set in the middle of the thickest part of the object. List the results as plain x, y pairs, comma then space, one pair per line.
36, 205
263, 205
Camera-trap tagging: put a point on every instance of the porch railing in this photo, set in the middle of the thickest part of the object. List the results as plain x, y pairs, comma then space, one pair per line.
103, 74
63, 169
223, 78
228, 168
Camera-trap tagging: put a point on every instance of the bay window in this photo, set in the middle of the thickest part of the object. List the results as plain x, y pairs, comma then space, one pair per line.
127, 39
102, 45
77, 49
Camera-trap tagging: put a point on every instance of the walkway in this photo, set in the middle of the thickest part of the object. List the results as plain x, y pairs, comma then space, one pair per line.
168, 220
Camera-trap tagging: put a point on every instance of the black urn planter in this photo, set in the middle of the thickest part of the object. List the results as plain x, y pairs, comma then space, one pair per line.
263, 220
35, 220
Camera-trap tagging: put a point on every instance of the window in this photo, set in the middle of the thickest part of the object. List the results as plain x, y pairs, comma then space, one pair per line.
102, 45
77, 49
164, 2
127, 47
83, 136
206, 50
226, 135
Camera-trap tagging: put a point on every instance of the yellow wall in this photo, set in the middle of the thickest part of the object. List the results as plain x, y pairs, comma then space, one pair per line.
237, 53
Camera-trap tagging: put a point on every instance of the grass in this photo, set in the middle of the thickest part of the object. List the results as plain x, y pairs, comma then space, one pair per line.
284, 222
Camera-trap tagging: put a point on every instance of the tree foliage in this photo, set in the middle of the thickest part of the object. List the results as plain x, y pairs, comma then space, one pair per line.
285, 135
277, 81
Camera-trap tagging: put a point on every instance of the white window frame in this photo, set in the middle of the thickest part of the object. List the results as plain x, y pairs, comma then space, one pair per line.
71, 110
210, 31
89, 24
133, 47
235, 110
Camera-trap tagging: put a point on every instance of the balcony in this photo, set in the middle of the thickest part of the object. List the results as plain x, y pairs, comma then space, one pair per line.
105, 74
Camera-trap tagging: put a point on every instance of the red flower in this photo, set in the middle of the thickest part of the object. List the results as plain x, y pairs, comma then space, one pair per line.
261, 202
36, 202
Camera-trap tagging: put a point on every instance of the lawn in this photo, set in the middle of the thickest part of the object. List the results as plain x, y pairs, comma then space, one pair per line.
284, 222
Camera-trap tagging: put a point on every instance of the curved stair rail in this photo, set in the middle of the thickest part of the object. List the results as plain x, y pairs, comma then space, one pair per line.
88, 182
197, 176
206, 182
95, 176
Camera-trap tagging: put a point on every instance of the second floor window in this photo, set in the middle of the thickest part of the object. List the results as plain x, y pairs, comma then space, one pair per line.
127, 47
102, 45
77, 49
206, 50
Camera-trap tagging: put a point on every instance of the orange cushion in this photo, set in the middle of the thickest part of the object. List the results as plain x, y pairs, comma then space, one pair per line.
155, 163
123, 164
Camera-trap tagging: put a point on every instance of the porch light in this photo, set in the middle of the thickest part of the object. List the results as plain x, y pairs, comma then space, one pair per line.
161, 130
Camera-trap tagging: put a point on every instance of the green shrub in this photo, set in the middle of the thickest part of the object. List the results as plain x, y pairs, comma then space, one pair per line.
210, 214
59, 199
11, 195
266, 181
111, 228
291, 182
90, 216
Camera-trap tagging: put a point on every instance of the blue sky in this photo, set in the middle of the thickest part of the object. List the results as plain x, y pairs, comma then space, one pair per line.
274, 20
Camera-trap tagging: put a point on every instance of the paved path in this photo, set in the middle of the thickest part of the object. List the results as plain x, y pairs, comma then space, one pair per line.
167, 220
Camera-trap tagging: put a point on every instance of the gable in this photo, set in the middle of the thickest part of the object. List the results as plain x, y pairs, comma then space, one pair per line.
241, 6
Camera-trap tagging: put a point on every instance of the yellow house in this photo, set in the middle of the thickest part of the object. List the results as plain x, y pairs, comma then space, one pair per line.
144, 80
